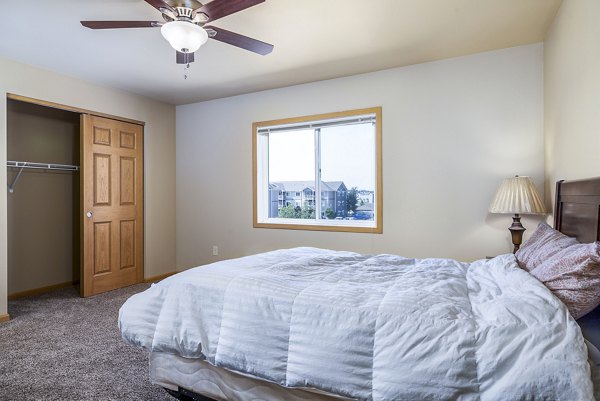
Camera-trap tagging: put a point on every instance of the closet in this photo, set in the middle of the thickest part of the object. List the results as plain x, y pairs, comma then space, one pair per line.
74, 198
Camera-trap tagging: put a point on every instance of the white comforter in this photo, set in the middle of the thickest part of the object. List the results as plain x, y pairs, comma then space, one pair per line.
370, 327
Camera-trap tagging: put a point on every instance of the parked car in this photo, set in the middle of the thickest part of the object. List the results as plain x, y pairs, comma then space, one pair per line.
363, 215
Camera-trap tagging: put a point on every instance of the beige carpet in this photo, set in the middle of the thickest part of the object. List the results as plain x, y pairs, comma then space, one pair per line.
59, 346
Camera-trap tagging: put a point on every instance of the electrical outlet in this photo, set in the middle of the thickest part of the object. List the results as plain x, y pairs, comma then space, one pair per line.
215, 250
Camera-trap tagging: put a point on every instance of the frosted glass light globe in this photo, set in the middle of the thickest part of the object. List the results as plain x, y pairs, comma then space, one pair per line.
184, 36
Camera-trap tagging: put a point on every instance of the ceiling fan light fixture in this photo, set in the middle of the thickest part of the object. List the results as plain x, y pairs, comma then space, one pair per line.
183, 36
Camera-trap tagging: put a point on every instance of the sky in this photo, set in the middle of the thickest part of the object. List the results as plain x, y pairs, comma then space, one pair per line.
347, 154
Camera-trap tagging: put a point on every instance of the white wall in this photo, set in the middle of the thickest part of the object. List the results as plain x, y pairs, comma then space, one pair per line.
572, 93
159, 153
452, 130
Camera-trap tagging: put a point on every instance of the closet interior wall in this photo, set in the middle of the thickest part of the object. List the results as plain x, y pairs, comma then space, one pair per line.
43, 210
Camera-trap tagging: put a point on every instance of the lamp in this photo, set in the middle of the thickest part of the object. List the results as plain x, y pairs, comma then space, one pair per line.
185, 37
517, 195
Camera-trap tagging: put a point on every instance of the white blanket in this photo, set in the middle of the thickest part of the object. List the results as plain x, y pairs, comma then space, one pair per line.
370, 327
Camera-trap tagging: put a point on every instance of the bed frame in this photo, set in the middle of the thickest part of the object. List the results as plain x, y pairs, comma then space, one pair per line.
576, 214
185, 395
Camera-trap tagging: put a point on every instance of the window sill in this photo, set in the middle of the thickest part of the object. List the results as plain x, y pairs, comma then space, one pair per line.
323, 225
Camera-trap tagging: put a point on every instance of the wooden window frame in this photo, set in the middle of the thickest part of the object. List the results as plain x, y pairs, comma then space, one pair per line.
378, 228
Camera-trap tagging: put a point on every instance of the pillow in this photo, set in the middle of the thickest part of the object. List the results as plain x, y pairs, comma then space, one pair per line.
571, 270
543, 244
573, 275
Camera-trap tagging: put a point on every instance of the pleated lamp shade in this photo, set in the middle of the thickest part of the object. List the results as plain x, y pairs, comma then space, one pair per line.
517, 195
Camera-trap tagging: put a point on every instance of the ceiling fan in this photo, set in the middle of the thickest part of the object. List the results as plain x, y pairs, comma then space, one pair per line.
184, 25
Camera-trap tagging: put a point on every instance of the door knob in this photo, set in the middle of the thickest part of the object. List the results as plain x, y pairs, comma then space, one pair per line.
89, 215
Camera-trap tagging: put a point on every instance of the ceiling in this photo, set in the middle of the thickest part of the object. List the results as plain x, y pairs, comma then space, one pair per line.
314, 40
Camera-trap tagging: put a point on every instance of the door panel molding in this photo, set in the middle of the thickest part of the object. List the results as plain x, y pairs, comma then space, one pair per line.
127, 140
127, 179
102, 245
102, 179
101, 136
127, 251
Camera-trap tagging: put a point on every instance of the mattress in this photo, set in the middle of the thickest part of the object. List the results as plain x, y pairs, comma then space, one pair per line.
196, 375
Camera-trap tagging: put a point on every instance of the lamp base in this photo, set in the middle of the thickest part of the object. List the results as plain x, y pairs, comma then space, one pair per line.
516, 232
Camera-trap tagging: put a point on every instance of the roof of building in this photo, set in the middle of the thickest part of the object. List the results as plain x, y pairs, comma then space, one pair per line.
335, 185
298, 186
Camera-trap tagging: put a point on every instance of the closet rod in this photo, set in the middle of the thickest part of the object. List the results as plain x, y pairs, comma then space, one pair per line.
39, 166
43, 166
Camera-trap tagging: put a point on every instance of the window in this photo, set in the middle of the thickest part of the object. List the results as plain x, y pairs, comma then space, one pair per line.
327, 166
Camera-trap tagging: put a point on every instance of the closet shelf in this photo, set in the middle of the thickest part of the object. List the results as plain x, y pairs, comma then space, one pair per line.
39, 166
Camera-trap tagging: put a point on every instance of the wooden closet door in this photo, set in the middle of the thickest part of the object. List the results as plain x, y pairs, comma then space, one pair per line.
112, 204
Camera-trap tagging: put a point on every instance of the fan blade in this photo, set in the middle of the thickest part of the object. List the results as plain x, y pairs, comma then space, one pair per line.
158, 4
242, 41
120, 24
184, 58
221, 8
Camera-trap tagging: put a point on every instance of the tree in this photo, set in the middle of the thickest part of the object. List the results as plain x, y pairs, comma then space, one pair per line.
288, 212
329, 213
296, 212
307, 212
352, 200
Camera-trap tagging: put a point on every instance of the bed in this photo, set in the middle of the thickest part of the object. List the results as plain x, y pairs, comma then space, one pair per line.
314, 324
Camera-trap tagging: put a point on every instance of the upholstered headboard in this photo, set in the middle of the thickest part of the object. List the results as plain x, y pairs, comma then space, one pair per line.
577, 209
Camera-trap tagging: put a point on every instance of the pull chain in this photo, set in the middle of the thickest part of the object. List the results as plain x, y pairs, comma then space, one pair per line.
185, 70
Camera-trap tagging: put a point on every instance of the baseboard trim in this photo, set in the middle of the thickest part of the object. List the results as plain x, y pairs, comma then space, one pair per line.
42, 290
4, 318
159, 277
